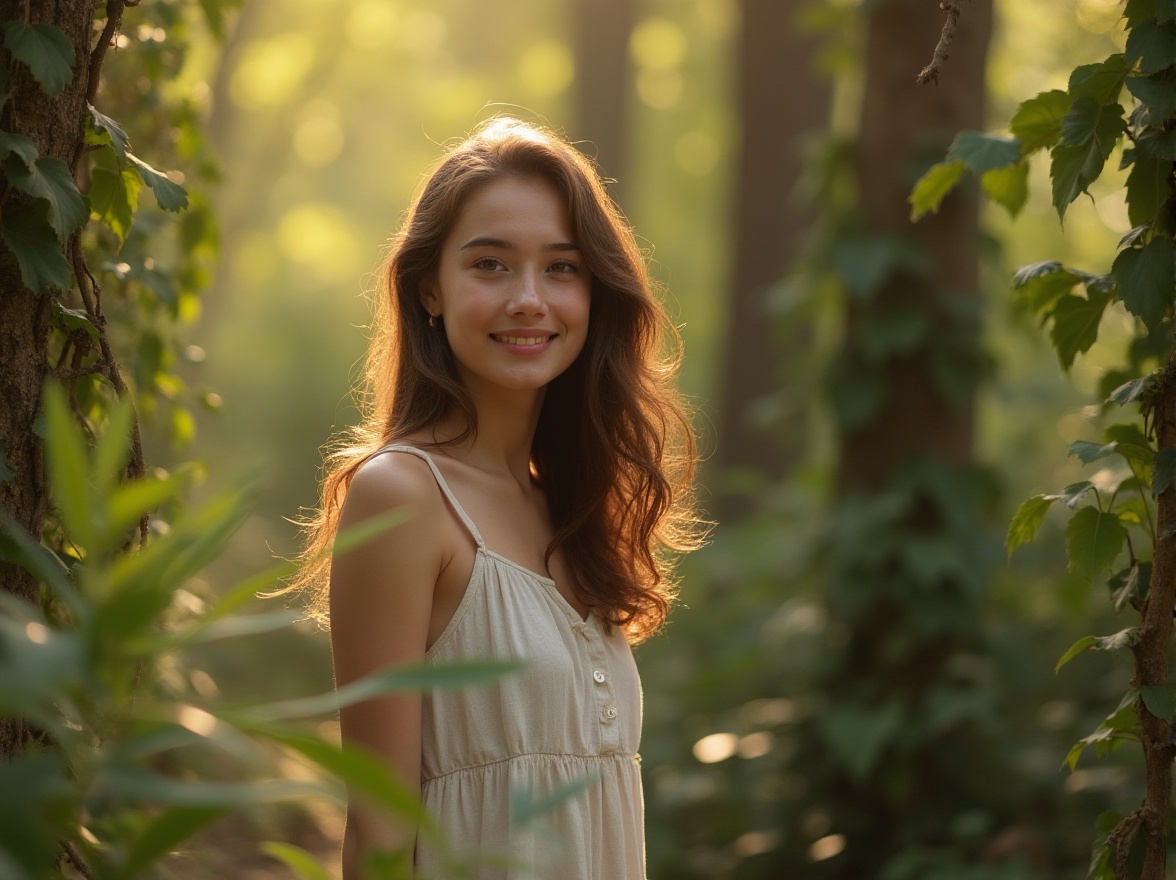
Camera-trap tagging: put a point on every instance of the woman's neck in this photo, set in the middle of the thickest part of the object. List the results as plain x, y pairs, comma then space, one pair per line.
506, 431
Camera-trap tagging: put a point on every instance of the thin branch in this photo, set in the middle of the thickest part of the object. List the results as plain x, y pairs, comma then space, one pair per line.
930, 73
75, 859
1120, 839
114, 10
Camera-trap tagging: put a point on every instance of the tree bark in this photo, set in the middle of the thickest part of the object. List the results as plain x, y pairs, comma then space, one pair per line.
782, 102
901, 124
57, 126
600, 31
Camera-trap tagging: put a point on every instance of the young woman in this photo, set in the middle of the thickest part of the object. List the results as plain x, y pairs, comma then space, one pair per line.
519, 399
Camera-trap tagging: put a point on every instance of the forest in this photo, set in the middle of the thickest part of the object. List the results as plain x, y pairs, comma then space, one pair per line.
923, 259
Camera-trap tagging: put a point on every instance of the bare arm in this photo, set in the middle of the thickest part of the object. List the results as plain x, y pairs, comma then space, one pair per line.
381, 602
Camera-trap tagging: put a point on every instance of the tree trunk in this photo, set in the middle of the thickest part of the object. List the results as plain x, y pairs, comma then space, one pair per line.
782, 101
600, 30
902, 124
57, 126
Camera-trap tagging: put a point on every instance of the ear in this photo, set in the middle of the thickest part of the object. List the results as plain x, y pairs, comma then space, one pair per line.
429, 297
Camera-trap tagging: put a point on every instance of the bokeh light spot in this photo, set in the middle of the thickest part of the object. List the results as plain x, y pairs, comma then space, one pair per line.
372, 24
657, 44
318, 139
271, 71
659, 89
716, 747
319, 238
423, 32
826, 847
546, 68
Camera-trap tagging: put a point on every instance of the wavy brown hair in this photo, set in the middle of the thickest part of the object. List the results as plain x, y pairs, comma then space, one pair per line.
613, 451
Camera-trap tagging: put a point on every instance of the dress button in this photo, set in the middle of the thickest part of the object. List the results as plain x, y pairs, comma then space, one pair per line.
599, 676
611, 712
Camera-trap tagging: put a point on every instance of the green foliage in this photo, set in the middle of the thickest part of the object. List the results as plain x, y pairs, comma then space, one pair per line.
44, 49
1082, 127
119, 775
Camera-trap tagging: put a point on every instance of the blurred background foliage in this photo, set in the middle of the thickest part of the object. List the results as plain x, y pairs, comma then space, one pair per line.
325, 115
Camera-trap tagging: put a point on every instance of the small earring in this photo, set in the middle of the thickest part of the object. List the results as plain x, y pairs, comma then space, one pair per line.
433, 321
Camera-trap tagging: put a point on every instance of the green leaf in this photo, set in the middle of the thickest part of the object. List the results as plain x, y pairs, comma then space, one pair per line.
858, 736
1146, 278
68, 469
1146, 185
18, 145
112, 450
170, 196
1075, 325
894, 331
165, 832
1101, 82
1026, 521
1137, 11
1072, 494
1131, 443
865, 263
1008, 187
1153, 45
1160, 701
114, 197
1088, 452
49, 179
1037, 123
1089, 134
932, 188
1131, 391
1125, 584
74, 319
118, 137
1165, 475
298, 860
1043, 284
1157, 93
982, 152
132, 501
1075, 649
1093, 541
17, 547
47, 52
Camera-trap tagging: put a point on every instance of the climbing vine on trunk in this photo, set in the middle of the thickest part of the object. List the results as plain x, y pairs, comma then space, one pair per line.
1121, 528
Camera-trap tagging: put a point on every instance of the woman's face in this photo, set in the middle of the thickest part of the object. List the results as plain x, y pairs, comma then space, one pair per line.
511, 287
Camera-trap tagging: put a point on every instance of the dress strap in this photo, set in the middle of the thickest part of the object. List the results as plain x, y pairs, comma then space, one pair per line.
420, 453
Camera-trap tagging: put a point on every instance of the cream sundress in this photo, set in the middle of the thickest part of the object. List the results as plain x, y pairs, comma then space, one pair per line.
571, 720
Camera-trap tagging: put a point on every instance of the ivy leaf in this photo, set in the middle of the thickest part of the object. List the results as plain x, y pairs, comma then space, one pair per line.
1160, 701
1026, 522
982, 152
1156, 92
73, 319
1153, 44
1038, 121
1093, 540
49, 179
47, 52
1146, 185
1100, 82
1137, 11
932, 188
1124, 585
169, 195
1072, 494
1132, 444
1089, 134
1008, 187
1146, 278
1043, 284
34, 244
1165, 476
118, 137
1131, 391
114, 195
1075, 325
20, 145
1088, 452
1075, 649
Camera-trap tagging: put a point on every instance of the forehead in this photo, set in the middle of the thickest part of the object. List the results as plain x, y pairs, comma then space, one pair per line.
514, 206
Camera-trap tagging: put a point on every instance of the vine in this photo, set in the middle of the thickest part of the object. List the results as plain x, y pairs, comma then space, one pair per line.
1121, 527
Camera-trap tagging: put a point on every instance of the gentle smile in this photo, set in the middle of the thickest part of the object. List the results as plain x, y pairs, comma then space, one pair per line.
522, 340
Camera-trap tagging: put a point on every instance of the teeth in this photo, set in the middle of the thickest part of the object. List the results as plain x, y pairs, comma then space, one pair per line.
522, 340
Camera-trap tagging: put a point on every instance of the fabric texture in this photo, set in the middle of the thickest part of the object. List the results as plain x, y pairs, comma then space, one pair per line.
569, 723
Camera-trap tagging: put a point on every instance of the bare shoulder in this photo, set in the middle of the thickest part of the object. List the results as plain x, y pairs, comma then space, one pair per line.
390, 480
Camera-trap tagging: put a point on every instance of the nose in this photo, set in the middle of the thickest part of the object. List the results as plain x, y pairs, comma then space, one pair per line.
527, 296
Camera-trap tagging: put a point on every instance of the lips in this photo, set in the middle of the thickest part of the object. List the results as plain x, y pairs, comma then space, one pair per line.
528, 339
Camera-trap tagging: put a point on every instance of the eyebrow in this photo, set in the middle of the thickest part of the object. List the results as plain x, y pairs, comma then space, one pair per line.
490, 242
